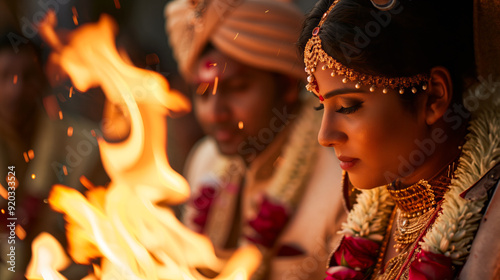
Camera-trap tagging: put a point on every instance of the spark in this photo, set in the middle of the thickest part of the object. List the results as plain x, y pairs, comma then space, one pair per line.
216, 83
33, 176
31, 154
267, 11
202, 88
60, 115
240, 125
70, 92
20, 232
236, 35
15, 79
75, 15
86, 183
3, 211
70, 131
26, 159
65, 170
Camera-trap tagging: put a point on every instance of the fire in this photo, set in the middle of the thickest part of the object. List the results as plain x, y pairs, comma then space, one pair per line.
51, 258
123, 224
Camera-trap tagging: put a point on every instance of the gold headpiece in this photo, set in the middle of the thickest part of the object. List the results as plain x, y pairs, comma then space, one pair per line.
314, 54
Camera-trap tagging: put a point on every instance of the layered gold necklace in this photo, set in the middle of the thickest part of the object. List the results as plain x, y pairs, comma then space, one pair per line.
415, 207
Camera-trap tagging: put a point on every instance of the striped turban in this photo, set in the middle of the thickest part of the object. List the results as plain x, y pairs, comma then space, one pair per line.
259, 33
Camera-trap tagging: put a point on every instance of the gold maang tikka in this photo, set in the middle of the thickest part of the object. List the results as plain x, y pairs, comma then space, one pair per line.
314, 54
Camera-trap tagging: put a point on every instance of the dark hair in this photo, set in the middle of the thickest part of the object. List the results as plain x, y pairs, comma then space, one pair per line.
410, 39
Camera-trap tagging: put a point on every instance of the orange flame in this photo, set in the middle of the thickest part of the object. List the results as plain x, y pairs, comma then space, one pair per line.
51, 258
123, 224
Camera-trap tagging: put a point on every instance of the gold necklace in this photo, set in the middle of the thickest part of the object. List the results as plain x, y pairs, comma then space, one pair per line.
415, 205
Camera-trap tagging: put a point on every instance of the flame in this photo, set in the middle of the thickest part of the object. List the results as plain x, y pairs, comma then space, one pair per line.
123, 225
51, 258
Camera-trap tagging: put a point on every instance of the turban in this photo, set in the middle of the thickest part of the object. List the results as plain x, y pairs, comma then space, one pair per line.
259, 33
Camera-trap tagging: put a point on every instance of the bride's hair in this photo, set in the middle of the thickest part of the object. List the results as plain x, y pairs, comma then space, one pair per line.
409, 39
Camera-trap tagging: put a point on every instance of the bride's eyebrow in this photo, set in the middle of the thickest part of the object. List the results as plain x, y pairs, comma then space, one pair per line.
342, 91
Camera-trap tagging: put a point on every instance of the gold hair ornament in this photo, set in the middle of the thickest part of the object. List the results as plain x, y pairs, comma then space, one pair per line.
314, 54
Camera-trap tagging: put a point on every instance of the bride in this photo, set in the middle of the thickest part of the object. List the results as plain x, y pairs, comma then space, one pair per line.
416, 127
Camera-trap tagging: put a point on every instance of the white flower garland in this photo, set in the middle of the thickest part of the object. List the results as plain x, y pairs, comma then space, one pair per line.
453, 231
297, 157
370, 215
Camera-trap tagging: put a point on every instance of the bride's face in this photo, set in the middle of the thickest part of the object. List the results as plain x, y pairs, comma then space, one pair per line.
376, 137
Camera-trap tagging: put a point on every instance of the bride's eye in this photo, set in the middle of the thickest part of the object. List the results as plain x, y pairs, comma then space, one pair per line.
319, 107
350, 109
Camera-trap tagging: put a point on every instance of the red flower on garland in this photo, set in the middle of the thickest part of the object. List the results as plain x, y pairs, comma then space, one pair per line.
202, 204
343, 273
356, 252
269, 223
431, 266
356, 255
353, 258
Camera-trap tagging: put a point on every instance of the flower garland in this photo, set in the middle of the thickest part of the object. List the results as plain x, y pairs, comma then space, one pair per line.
453, 231
288, 182
283, 194
370, 215
297, 157
292, 170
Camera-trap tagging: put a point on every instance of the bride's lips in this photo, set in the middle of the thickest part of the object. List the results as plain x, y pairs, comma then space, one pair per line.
347, 163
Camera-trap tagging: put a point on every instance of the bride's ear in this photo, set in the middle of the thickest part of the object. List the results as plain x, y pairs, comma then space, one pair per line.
439, 94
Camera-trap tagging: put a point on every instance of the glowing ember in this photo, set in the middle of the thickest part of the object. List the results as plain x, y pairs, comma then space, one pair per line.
33, 176
15, 79
236, 36
20, 232
3, 210
123, 225
26, 158
31, 154
86, 183
70, 131
70, 92
216, 84
240, 125
60, 115
65, 170
202, 88
75, 15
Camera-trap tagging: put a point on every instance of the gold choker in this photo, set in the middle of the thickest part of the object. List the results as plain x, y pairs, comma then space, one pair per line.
415, 206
